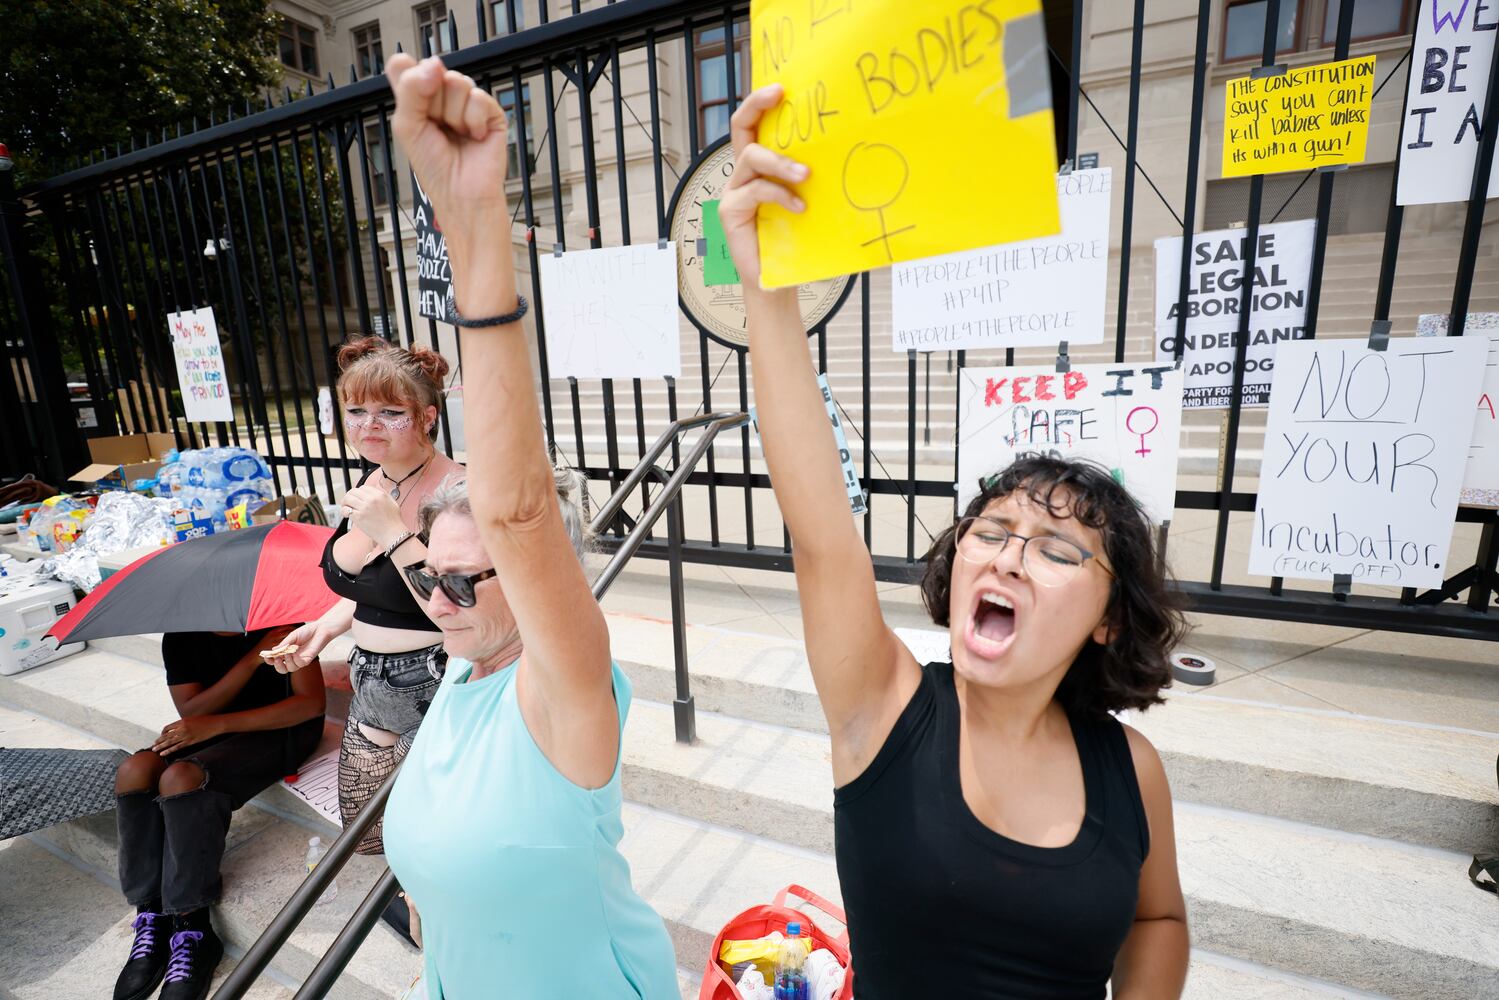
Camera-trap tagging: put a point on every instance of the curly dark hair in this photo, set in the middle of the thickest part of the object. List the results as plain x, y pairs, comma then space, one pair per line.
1145, 617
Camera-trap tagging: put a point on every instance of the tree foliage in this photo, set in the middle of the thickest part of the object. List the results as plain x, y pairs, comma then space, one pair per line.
76, 75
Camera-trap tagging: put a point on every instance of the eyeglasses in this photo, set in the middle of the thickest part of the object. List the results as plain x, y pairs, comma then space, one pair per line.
455, 586
1048, 560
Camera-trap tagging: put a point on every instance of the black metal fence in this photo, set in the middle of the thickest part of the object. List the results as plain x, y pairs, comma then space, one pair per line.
273, 213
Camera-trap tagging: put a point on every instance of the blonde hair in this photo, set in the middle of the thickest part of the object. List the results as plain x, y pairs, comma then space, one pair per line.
372, 368
451, 497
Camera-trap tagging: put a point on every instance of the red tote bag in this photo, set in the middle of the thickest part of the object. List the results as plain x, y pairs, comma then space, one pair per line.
759, 921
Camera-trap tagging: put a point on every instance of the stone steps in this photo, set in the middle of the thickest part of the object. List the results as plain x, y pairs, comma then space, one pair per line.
1305, 898
1259, 886
1256, 887
1373, 777
695, 875
1287, 822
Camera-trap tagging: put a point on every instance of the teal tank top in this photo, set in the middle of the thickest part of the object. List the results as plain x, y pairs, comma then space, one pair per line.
516, 870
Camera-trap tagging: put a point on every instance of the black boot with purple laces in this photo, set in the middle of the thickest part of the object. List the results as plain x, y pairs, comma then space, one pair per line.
148, 957
196, 952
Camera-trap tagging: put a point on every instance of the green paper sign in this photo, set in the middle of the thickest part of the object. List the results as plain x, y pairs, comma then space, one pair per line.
718, 266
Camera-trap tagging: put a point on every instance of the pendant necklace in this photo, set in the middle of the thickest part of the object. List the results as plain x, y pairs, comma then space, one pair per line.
395, 491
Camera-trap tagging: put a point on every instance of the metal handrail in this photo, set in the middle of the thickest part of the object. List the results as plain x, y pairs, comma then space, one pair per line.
648, 461
714, 422
337, 957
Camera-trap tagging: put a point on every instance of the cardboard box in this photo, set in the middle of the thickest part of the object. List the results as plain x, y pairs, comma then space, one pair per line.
298, 508
123, 458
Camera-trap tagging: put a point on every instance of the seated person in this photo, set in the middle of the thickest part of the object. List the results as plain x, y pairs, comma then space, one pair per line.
243, 726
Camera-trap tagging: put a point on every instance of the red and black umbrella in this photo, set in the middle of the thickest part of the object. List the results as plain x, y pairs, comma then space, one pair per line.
236, 581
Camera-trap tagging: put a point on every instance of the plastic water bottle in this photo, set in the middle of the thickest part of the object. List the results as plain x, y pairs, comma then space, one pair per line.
250, 495
315, 852
241, 465
169, 478
193, 474
791, 975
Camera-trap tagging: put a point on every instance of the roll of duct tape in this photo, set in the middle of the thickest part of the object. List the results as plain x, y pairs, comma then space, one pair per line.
1193, 669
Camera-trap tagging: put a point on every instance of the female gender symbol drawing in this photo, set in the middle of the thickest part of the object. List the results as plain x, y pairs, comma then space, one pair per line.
875, 183
1129, 425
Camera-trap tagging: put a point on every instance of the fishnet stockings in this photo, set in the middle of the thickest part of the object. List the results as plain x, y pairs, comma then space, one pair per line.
362, 767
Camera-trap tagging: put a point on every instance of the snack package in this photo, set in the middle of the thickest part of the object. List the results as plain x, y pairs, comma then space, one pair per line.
736, 957
187, 526
237, 517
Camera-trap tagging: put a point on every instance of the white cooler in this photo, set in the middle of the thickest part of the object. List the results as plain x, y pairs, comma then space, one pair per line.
25, 616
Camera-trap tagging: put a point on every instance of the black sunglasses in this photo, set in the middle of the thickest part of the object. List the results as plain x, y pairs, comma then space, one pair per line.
458, 588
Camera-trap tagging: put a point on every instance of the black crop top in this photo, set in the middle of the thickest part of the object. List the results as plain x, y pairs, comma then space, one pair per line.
379, 594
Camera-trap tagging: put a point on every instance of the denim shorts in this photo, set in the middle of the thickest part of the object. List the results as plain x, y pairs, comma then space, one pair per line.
392, 690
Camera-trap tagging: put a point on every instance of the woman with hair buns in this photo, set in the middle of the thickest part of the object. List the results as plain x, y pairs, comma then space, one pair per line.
523, 888
389, 398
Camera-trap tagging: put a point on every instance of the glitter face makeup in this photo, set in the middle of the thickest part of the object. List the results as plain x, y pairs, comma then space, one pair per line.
357, 418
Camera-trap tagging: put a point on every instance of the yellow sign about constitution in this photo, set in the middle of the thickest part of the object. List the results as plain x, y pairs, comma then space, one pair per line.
1299, 119
927, 127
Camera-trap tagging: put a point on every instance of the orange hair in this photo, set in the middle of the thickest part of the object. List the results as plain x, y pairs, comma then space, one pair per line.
372, 368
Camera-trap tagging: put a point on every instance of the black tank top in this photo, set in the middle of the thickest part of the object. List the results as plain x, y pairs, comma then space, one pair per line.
939, 905
379, 594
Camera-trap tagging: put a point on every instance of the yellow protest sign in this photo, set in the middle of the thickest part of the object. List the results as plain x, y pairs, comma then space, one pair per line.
927, 127
1299, 120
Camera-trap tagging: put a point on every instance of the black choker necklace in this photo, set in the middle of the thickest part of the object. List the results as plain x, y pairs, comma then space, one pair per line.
395, 491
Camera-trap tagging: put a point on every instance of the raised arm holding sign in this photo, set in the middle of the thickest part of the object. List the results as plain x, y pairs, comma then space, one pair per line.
926, 126
1056, 612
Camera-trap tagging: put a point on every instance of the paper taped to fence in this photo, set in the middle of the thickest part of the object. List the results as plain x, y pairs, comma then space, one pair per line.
1302, 119
1126, 418
1282, 276
1481, 478
200, 365
1444, 101
1024, 294
927, 127
1363, 459
611, 312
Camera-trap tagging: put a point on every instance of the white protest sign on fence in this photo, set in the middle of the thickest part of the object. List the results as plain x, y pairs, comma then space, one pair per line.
1282, 272
1024, 294
1363, 459
612, 312
1444, 98
1481, 479
1126, 418
200, 365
